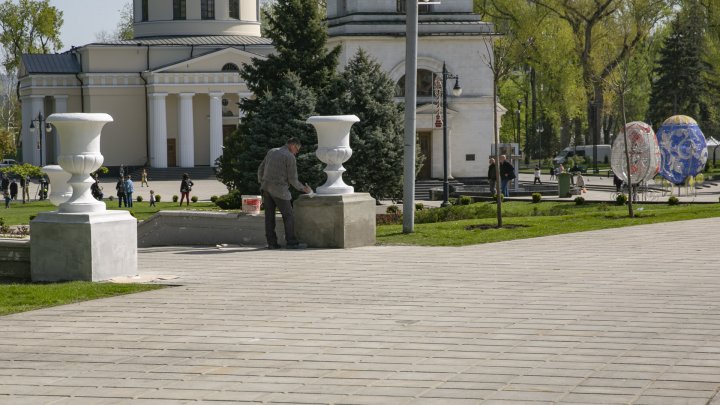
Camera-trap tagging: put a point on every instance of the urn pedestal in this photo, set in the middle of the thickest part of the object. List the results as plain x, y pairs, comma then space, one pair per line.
335, 217
82, 240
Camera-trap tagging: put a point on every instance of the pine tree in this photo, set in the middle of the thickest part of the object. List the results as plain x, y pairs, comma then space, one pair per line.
681, 71
286, 85
280, 114
365, 90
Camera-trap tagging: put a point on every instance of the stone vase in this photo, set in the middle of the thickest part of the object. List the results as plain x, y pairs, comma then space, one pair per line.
79, 139
60, 190
333, 133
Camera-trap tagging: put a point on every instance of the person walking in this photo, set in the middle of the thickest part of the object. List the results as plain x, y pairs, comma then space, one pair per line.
25, 186
492, 176
143, 178
13, 189
552, 172
129, 190
185, 188
6, 195
507, 173
276, 173
5, 184
120, 187
537, 176
152, 198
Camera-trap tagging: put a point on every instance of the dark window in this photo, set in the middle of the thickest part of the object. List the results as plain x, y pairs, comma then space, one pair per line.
400, 6
230, 67
235, 9
424, 84
341, 10
470, 157
207, 9
179, 9
144, 16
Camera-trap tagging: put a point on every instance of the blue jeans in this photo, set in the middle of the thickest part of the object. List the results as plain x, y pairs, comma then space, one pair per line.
504, 187
128, 200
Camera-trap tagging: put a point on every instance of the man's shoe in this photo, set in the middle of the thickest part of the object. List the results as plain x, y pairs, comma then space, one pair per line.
274, 246
296, 246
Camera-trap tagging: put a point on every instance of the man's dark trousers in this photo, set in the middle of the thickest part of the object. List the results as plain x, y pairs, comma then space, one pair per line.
286, 210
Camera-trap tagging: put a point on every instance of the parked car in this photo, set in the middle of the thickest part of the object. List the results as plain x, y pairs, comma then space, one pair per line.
7, 162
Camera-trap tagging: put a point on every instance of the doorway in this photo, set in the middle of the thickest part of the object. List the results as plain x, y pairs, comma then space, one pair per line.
425, 143
171, 152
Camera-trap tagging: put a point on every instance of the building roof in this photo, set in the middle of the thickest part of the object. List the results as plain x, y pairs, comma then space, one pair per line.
51, 63
227, 40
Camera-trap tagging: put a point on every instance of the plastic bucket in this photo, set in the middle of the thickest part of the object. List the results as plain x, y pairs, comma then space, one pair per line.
251, 204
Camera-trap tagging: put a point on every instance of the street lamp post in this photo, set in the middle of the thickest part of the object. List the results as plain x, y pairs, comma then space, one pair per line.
457, 91
517, 112
539, 131
44, 129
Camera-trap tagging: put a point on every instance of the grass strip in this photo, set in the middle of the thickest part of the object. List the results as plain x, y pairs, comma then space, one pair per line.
22, 297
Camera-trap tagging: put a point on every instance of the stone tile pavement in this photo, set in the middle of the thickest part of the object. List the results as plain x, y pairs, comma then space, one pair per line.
620, 316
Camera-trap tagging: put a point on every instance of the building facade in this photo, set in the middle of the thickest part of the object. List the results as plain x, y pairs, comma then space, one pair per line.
448, 33
173, 89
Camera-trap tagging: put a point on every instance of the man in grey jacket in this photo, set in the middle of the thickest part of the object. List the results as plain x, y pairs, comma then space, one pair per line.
277, 172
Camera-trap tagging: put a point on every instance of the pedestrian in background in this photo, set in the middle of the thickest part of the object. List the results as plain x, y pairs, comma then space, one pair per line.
144, 178
152, 198
492, 176
507, 173
120, 187
537, 175
185, 189
129, 190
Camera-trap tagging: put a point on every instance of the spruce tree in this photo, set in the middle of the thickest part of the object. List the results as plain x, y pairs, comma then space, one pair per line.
365, 90
296, 73
681, 73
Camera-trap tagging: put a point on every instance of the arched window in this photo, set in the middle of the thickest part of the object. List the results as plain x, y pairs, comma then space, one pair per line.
230, 67
207, 9
179, 10
235, 9
424, 84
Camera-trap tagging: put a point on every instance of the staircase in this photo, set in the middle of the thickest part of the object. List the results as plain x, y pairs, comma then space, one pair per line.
422, 187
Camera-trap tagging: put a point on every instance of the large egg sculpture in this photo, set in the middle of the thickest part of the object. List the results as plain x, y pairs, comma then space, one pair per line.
643, 150
683, 148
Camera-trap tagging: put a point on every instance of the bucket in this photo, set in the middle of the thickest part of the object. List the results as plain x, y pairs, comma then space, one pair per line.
251, 204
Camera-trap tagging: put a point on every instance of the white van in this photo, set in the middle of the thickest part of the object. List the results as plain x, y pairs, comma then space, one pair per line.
7, 162
603, 153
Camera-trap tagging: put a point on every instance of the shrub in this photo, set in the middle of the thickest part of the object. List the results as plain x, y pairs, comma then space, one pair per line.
194, 199
465, 200
603, 207
579, 200
621, 199
231, 200
175, 198
388, 219
536, 197
139, 198
111, 198
454, 213
392, 209
673, 200
495, 196
157, 197
419, 206
213, 198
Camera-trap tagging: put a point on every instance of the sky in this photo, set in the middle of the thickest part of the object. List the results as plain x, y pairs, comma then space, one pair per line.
85, 18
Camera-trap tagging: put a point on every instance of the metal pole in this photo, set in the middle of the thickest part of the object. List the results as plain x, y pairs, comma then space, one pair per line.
411, 23
446, 185
41, 124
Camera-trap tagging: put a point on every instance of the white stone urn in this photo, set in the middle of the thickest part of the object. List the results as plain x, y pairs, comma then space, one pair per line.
60, 190
333, 133
79, 138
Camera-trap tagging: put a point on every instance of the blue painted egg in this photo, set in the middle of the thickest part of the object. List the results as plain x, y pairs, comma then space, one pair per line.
683, 148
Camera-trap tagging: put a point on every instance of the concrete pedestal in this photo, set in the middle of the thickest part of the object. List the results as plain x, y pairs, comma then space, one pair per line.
335, 221
91, 246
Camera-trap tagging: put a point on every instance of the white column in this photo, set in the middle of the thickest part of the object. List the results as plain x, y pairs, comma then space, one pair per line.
187, 137
222, 10
37, 106
60, 107
28, 146
216, 136
158, 130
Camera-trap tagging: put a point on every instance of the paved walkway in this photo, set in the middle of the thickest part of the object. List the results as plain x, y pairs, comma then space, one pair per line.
627, 316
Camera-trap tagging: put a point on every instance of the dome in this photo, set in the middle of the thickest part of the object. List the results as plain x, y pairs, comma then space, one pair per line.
154, 18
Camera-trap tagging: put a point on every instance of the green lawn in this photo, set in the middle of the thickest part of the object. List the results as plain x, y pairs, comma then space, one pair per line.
19, 213
27, 297
526, 220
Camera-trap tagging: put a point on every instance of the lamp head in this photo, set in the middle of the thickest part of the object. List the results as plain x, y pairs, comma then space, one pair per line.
457, 90
32, 126
48, 128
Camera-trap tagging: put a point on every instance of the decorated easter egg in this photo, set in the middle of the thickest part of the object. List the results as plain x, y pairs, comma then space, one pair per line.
683, 148
644, 153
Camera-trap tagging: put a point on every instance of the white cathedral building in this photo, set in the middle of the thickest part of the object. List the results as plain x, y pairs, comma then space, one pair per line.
173, 89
